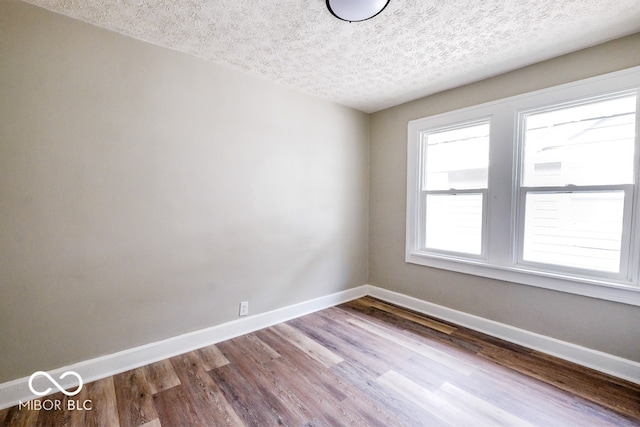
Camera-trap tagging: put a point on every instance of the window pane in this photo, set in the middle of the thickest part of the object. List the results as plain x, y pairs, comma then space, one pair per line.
454, 223
582, 230
589, 144
457, 158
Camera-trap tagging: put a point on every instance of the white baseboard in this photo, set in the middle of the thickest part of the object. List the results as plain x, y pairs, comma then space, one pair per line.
600, 361
16, 391
13, 392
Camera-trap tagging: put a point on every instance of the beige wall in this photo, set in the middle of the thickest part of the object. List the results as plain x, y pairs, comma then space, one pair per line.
144, 193
597, 324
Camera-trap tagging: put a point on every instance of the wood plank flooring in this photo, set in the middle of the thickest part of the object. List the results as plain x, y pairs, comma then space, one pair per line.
364, 363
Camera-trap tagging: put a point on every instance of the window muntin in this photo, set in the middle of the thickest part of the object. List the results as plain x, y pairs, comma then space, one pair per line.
454, 185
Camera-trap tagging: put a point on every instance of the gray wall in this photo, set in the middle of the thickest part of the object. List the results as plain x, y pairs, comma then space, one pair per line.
144, 193
597, 324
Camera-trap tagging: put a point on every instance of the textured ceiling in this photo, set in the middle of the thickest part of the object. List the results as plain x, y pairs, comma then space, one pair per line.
412, 49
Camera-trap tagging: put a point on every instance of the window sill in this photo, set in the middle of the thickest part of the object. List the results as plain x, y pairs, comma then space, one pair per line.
595, 288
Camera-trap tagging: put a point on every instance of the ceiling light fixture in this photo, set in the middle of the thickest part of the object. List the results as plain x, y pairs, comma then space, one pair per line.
356, 10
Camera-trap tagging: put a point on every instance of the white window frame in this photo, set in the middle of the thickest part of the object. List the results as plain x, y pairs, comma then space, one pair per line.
503, 221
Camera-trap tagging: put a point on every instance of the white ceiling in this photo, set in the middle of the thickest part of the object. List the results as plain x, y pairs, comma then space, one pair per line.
412, 49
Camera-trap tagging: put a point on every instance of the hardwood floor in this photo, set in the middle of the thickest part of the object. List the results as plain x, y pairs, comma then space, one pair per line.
364, 363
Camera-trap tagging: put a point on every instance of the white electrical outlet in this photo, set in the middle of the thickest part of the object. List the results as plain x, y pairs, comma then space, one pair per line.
244, 308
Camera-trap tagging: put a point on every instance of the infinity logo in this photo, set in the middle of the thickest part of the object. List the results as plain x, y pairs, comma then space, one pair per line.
58, 386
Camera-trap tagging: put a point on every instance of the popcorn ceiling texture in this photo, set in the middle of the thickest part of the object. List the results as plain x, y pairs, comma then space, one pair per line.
412, 49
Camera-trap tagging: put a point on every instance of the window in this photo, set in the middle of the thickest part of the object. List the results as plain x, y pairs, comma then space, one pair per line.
577, 173
454, 188
540, 189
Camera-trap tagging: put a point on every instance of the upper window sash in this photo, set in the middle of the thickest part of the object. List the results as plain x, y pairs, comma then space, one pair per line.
588, 141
